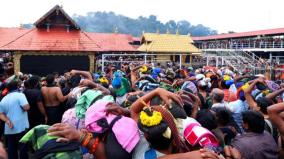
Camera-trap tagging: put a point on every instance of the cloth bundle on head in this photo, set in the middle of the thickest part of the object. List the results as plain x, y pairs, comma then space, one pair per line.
228, 80
167, 87
195, 134
241, 87
156, 72
46, 147
202, 80
69, 117
77, 92
87, 99
143, 69
170, 73
116, 81
103, 80
272, 85
121, 85
147, 84
188, 85
97, 112
228, 72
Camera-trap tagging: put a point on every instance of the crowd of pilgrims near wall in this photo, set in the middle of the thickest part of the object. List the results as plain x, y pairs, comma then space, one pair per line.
142, 112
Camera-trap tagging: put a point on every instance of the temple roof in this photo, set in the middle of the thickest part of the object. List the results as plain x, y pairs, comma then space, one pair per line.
19, 39
171, 43
56, 17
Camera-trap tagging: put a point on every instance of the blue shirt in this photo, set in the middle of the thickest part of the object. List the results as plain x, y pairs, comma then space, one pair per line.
12, 105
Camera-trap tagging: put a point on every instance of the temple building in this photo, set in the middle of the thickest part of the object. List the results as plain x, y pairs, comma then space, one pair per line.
169, 47
57, 43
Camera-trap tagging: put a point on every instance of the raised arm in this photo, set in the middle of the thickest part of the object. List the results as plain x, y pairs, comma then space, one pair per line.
275, 93
165, 95
60, 96
274, 112
92, 84
85, 74
252, 104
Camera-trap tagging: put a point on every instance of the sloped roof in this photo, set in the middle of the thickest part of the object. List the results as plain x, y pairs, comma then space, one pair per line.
276, 31
9, 34
13, 39
55, 12
171, 43
113, 41
54, 40
58, 38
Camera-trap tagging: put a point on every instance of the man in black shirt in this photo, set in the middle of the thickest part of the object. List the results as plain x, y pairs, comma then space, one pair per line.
36, 114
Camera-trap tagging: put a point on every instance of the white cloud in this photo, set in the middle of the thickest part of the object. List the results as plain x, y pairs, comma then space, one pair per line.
222, 15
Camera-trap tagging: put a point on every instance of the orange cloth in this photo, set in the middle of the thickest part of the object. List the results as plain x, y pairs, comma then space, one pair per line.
229, 96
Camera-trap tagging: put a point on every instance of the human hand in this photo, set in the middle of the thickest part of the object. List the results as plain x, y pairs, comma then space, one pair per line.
10, 124
115, 109
207, 154
232, 153
3, 153
167, 96
65, 132
260, 79
45, 120
73, 72
85, 83
282, 85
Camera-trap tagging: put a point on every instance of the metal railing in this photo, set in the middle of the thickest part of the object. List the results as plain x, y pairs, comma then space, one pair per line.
254, 45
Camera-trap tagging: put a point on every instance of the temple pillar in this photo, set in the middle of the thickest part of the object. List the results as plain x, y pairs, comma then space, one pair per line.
17, 62
92, 62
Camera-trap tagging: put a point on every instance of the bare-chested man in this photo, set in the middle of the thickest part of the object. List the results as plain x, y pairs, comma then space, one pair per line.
53, 97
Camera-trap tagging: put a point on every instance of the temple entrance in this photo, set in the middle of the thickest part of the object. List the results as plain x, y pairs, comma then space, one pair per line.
43, 65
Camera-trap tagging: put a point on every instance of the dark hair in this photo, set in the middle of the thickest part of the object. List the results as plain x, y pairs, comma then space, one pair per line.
255, 121
13, 85
62, 83
217, 97
154, 135
27, 85
223, 116
207, 119
224, 85
50, 79
75, 80
33, 81
263, 103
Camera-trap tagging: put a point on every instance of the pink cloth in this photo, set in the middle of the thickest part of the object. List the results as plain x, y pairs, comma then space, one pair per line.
69, 117
194, 133
125, 129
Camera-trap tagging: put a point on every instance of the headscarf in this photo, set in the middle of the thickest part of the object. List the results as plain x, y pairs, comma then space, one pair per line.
116, 82
188, 85
97, 112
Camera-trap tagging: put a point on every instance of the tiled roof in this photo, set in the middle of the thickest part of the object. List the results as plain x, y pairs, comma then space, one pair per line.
9, 34
276, 31
54, 40
61, 40
172, 43
113, 41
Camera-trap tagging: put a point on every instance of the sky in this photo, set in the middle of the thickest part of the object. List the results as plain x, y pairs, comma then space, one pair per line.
221, 15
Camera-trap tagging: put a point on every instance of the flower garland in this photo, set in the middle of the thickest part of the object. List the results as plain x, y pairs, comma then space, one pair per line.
149, 121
